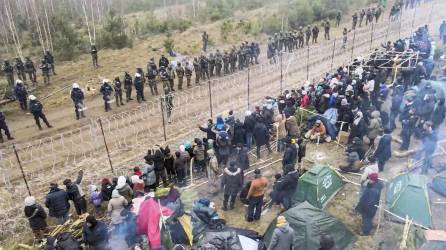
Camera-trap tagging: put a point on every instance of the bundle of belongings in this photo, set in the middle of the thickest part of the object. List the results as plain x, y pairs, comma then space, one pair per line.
231, 238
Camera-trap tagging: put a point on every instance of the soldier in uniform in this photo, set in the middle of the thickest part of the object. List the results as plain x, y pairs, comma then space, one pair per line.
218, 63
205, 40
164, 77
128, 86
30, 70
45, 67
271, 53
233, 59
152, 72
344, 38
36, 108
20, 69
378, 13
21, 94
204, 65
256, 52
369, 17
49, 59
361, 17
188, 68
4, 127
77, 95
226, 59
171, 77
301, 37
338, 19
167, 100
94, 56
180, 73
327, 30
211, 64
139, 87
197, 69
354, 20
8, 71
276, 41
240, 56
117, 86
106, 91
308, 35
315, 32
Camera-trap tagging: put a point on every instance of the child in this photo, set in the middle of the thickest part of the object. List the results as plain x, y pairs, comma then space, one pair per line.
95, 199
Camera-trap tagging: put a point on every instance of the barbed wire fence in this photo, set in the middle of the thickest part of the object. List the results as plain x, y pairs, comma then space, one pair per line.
129, 134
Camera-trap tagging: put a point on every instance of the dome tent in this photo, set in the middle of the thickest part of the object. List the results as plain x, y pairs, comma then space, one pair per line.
317, 186
308, 223
407, 194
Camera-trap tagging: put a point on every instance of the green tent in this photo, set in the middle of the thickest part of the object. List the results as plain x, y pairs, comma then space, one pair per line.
407, 194
308, 223
317, 186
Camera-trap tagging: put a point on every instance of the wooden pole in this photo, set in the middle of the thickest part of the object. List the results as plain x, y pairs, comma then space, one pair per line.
210, 98
106, 147
21, 168
163, 99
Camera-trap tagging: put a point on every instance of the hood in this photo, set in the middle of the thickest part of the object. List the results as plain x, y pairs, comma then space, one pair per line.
229, 172
121, 182
30, 201
375, 114
284, 228
115, 194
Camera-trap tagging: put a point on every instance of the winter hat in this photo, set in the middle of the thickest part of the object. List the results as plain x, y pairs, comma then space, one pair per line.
204, 201
373, 177
105, 181
304, 92
30, 200
115, 194
344, 102
281, 221
121, 182
92, 188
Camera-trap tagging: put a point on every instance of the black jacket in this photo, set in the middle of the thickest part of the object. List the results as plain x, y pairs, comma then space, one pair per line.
57, 202
369, 199
290, 155
97, 236
249, 124
261, 134
158, 160
77, 95
36, 216
232, 181
106, 191
210, 134
35, 106
288, 185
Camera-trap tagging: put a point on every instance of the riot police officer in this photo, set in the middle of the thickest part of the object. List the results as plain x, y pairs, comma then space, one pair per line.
21, 94
128, 85
36, 108
106, 91
77, 95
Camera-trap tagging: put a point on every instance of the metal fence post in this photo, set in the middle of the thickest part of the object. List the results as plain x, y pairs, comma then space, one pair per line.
248, 88
162, 99
371, 36
21, 168
281, 74
353, 45
308, 62
333, 54
106, 146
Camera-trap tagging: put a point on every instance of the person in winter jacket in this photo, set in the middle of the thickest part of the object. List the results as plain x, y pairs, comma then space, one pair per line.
428, 147
160, 171
4, 127
210, 133
231, 183
36, 108
279, 124
238, 135
368, 202
249, 124
213, 170
57, 204
117, 87
21, 94
115, 207
223, 148
241, 157
138, 184
290, 155
139, 87
288, 185
199, 156
77, 95
384, 150
106, 91
74, 192
180, 166
358, 127
106, 189
168, 164
36, 216
149, 176
261, 136
50, 243
95, 199
95, 234
375, 127
283, 235
124, 189
291, 126
318, 132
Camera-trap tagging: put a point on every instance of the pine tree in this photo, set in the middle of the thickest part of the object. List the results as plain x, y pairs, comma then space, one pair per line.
113, 34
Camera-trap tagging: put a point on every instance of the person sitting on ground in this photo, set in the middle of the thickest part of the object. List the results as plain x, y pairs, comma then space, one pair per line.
317, 133
95, 233
283, 235
353, 163
203, 214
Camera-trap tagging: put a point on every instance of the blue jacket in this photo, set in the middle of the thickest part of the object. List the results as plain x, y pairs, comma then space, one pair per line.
57, 202
369, 199
384, 149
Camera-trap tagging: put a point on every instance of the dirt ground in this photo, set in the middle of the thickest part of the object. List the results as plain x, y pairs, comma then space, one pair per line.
61, 114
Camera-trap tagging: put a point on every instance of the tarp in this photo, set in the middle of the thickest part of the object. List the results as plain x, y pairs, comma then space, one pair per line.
231, 238
317, 186
308, 223
407, 194
186, 223
439, 185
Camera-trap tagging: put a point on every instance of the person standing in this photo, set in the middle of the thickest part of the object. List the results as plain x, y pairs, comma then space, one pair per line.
4, 127
74, 192
368, 202
197, 69
327, 30
8, 71
205, 40
255, 196
315, 33
354, 20
36, 108
180, 73
408, 124
57, 203
283, 235
375, 127
199, 156
94, 56
163, 62
21, 94
117, 86
77, 95
429, 146
290, 155
261, 136
36, 216
149, 174
115, 206
180, 167
361, 17
152, 72
95, 234
45, 67
231, 183
49, 59
106, 91
188, 69
344, 38
139, 87
30, 69
20, 69
338, 19
288, 186
128, 86
160, 171
384, 150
